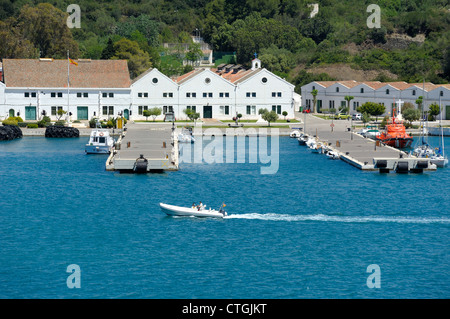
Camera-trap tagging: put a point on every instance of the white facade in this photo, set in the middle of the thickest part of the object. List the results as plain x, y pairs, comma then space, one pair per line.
331, 94
83, 103
207, 92
264, 90
213, 96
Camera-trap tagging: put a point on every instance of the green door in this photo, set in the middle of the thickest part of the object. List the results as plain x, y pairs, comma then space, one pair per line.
30, 113
447, 112
207, 111
126, 114
82, 113
11, 113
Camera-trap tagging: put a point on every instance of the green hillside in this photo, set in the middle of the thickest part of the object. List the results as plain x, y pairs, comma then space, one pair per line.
413, 42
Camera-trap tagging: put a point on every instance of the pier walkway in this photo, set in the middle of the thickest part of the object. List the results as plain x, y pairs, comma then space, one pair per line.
144, 148
363, 153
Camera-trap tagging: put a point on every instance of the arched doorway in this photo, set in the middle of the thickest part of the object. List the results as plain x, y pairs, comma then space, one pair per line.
11, 113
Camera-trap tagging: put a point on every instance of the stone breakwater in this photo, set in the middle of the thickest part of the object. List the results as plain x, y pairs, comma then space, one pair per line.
61, 131
10, 132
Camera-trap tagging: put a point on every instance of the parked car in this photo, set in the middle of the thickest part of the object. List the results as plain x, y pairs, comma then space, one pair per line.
341, 116
357, 117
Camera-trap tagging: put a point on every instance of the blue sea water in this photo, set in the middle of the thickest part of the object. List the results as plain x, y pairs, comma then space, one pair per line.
308, 231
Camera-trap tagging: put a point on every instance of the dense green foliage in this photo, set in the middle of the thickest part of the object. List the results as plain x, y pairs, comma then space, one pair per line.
281, 32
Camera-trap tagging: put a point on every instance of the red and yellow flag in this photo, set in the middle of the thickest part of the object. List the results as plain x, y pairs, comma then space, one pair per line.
73, 62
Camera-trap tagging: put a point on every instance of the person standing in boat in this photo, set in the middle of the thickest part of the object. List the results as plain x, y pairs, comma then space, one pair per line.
200, 206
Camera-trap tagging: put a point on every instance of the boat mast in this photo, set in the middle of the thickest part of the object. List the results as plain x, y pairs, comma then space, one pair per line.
68, 84
442, 129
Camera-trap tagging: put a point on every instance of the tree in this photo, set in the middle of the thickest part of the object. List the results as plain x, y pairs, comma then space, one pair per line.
411, 115
194, 53
284, 114
372, 108
46, 28
146, 113
191, 114
314, 94
60, 113
271, 116
109, 51
365, 117
434, 110
13, 44
348, 98
138, 60
154, 112
419, 102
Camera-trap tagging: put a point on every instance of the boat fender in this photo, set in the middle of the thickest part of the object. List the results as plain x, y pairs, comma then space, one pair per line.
140, 166
422, 164
402, 167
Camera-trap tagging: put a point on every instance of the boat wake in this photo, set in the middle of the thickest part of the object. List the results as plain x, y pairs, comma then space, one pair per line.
340, 219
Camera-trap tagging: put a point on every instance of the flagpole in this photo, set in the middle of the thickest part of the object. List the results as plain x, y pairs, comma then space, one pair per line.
68, 86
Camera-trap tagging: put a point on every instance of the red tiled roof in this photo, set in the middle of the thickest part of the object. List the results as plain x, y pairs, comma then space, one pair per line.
399, 85
326, 83
53, 73
187, 76
374, 84
428, 86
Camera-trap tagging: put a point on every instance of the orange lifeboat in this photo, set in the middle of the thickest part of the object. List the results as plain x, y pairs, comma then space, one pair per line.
395, 134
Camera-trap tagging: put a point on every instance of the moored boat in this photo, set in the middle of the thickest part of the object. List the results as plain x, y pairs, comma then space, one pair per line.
173, 210
185, 136
395, 134
100, 142
295, 134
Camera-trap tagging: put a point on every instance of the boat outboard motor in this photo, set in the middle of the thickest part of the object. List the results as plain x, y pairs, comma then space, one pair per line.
140, 166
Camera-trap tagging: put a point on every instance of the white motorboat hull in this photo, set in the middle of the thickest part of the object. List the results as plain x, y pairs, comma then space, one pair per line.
97, 149
172, 210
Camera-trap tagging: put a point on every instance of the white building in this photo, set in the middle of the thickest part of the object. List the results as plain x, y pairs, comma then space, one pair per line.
331, 94
103, 89
98, 88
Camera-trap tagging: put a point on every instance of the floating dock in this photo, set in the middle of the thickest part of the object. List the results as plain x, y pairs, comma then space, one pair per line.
145, 148
369, 155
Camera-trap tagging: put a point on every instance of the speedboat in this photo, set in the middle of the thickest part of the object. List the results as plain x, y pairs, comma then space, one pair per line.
295, 134
332, 155
303, 138
172, 210
100, 142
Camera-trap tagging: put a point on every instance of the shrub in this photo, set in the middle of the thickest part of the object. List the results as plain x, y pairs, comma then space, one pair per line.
16, 118
22, 124
32, 125
60, 123
109, 124
10, 121
92, 122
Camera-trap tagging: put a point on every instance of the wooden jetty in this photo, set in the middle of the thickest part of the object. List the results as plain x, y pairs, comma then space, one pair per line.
145, 148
